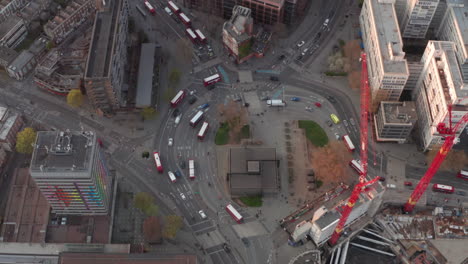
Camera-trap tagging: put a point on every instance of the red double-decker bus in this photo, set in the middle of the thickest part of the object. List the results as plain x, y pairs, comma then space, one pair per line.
150, 8
191, 35
463, 174
349, 144
187, 22
196, 118
356, 165
178, 98
211, 80
200, 36
157, 160
234, 213
203, 130
443, 188
191, 165
173, 7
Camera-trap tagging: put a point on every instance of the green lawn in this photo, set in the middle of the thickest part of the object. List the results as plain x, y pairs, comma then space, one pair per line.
314, 133
252, 201
245, 131
222, 135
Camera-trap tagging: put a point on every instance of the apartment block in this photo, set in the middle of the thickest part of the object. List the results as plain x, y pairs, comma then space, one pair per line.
12, 32
387, 67
454, 27
418, 17
76, 12
107, 58
9, 7
71, 171
439, 86
10, 125
395, 121
237, 32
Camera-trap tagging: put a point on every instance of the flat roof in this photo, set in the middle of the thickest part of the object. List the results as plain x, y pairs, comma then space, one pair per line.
19, 62
145, 75
240, 156
389, 37
8, 24
58, 152
399, 112
102, 41
327, 219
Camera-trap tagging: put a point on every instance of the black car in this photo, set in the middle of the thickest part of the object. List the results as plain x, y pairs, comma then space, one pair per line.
281, 57
176, 112
274, 78
331, 99
192, 100
245, 241
178, 174
211, 87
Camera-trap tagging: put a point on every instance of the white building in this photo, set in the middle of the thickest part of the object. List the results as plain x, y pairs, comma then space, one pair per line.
417, 18
387, 67
454, 27
439, 85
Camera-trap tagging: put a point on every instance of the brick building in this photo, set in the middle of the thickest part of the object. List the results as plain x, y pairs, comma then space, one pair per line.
10, 125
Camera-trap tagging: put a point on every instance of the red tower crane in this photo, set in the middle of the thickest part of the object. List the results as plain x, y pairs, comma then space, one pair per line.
361, 186
449, 133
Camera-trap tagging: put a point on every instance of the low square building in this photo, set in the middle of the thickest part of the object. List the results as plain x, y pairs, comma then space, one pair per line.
252, 171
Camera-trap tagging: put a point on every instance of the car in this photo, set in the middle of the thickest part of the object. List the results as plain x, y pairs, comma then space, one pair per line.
281, 57
202, 214
274, 78
352, 121
178, 174
182, 196
64, 220
192, 92
345, 123
304, 51
299, 57
300, 44
203, 106
226, 248
245, 241
176, 112
326, 22
337, 136
408, 183
192, 100
331, 99
309, 108
461, 193
329, 123
295, 99
317, 104
170, 142
177, 120
182, 164
334, 118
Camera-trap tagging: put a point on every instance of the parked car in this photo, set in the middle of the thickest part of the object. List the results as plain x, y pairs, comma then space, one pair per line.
300, 44
170, 142
295, 99
182, 196
192, 100
202, 214
203, 106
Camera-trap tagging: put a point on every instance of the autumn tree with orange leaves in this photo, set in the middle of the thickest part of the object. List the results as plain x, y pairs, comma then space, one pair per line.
236, 117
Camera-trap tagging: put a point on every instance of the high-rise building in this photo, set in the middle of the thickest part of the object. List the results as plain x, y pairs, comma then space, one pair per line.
439, 85
395, 121
454, 27
70, 170
387, 67
417, 18
107, 57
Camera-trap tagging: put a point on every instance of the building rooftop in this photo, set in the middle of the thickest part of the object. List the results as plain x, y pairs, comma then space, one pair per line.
7, 54
239, 24
327, 219
8, 24
389, 37
145, 75
90, 258
59, 152
38, 45
399, 112
24, 58
7, 120
460, 11
102, 41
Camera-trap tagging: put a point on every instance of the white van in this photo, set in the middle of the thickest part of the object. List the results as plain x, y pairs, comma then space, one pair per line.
177, 120
168, 11
391, 186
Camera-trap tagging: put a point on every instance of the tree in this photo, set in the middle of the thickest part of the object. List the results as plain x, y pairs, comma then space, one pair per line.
152, 210
148, 113
75, 98
184, 48
25, 140
174, 78
328, 162
50, 45
236, 118
456, 160
143, 201
152, 230
172, 225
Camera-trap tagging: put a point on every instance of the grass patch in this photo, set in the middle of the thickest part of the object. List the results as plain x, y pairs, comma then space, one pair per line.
314, 133
245, 131
318, 183
252, 201
332, 73
222, 135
